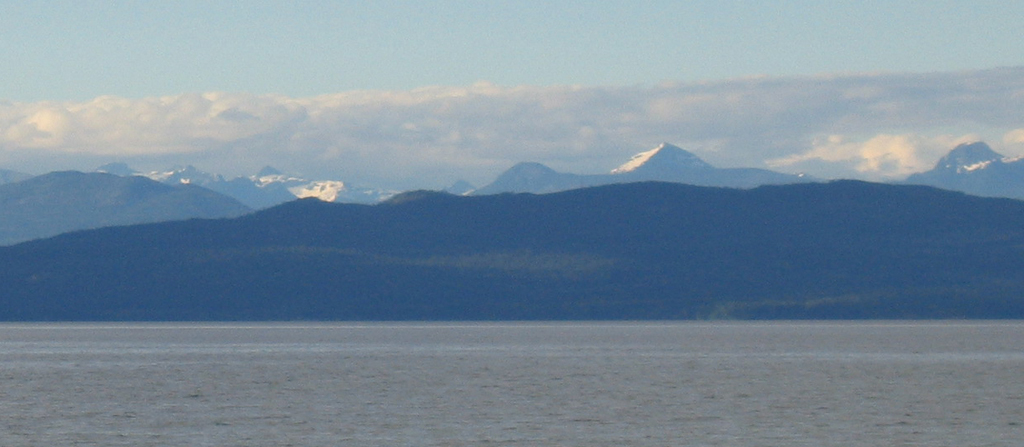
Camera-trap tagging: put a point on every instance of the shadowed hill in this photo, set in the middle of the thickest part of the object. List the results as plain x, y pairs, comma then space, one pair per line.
631, 251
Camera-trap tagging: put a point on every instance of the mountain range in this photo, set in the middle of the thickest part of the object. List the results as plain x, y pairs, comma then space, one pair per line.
266, 188
32, 211
973, 168
649, 250
666, 163
59, 202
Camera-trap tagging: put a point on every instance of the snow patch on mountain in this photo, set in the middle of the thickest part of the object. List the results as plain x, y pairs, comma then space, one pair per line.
975, 166
637, 161
266, 180
267, 188
183, 175
969, 157
326, 190
665, 156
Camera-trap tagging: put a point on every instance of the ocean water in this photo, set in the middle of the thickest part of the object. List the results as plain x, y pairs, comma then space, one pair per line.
519, 384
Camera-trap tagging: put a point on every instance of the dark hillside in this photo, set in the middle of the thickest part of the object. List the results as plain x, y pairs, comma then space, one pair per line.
631, 251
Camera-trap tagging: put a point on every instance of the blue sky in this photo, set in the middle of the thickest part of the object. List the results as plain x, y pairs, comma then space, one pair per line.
77, 50
401, 58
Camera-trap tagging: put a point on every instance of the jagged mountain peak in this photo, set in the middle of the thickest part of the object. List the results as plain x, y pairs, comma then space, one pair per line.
968, 157
974, 168
665, 156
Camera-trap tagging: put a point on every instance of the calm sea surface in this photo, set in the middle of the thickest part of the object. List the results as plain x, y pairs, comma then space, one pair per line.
521, 384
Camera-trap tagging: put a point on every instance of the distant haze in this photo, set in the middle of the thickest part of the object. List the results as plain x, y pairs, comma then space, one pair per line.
868, 126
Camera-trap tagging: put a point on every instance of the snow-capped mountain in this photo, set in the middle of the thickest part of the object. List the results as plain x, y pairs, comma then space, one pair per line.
183, 175
664, 157
669, 163
187, 175
665, 163
266, 188
975, 168
326, 190
969, 157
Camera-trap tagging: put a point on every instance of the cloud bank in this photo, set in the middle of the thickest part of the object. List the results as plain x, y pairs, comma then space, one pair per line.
870, 126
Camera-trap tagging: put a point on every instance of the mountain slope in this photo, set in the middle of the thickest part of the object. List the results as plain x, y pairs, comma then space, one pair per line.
666, 163
8, 176
538, 179
665, 157
58, 202
976, 169
631, 251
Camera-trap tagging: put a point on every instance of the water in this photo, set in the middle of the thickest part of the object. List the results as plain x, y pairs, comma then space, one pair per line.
560, 384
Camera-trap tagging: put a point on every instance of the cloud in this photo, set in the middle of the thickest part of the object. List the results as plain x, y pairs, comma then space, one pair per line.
871, 126
888, 156
881, 157
1014, 136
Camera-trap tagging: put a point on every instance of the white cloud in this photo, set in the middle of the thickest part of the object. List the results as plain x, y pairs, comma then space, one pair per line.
867, 126
1014, 136
1013, 143
886, 156
881, 157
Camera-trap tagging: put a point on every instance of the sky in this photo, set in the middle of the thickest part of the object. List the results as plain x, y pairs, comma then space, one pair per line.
419, 94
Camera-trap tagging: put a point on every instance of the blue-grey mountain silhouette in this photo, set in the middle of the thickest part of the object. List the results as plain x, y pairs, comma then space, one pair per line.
58, 202
665, 163
8, 176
